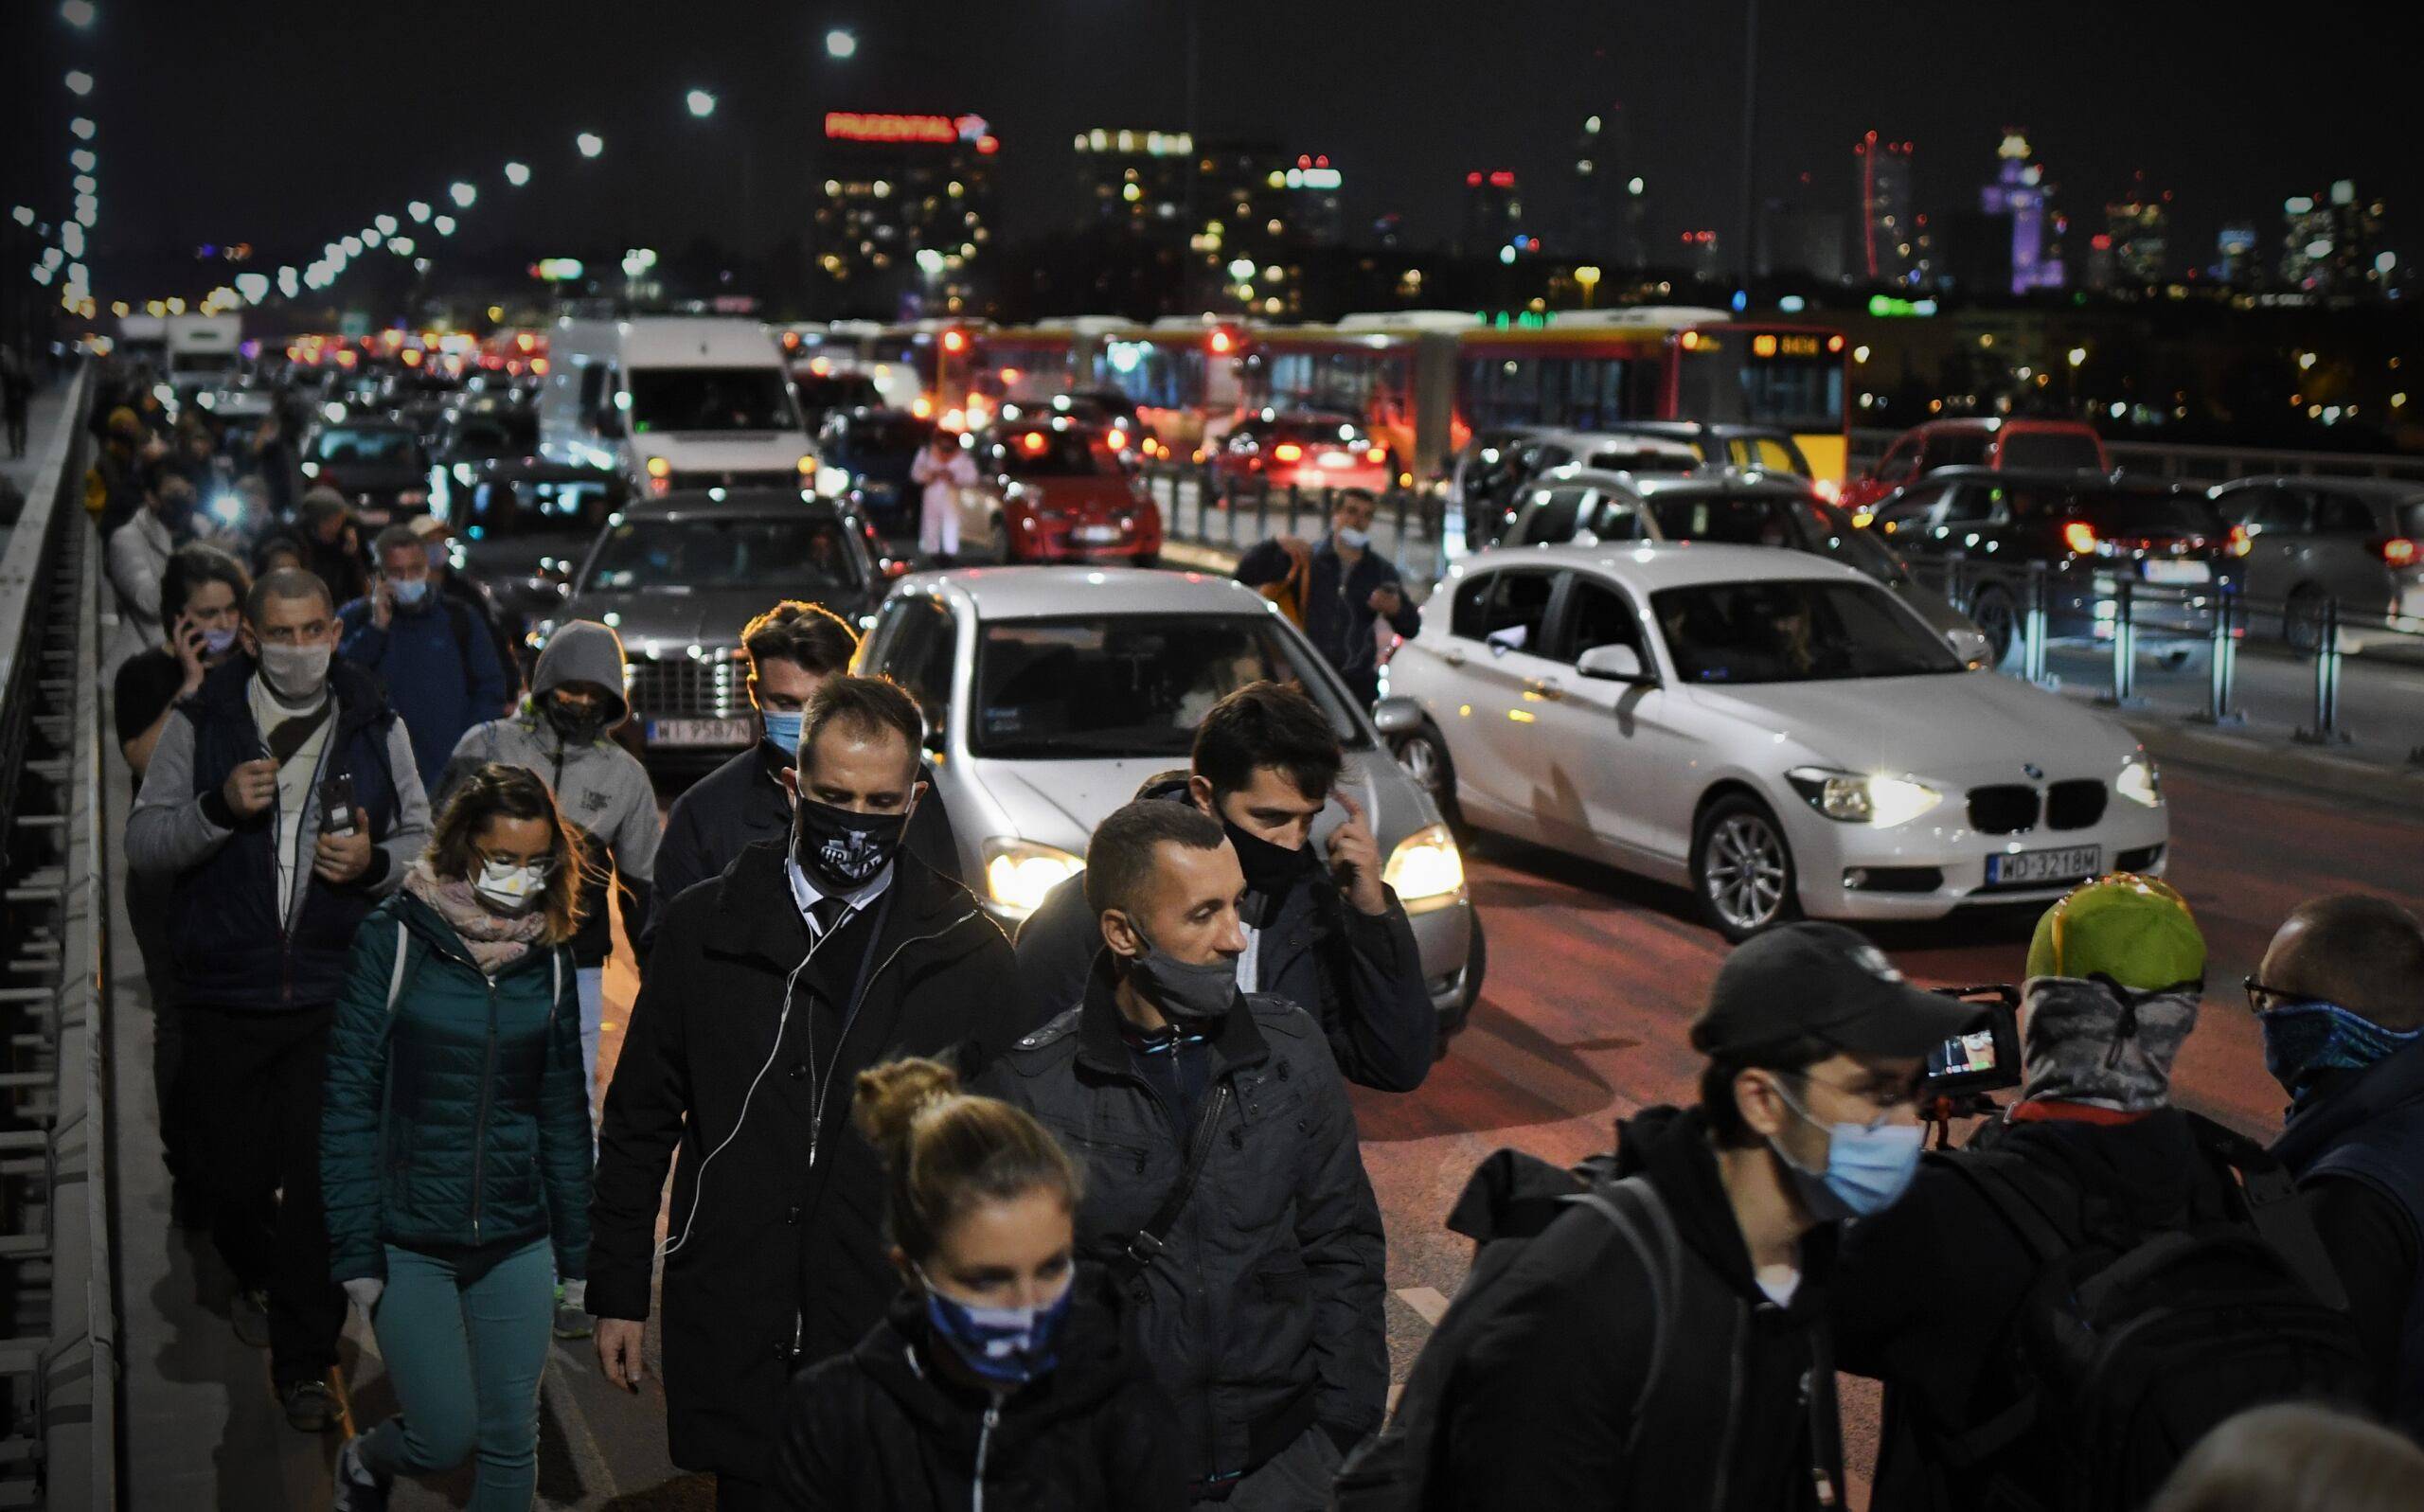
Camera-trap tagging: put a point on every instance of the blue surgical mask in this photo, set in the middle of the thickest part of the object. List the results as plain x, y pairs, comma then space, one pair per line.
1009, 1345
782, 730
2302, 1039
1868, 1166
218, 642
408, 591
1350, 537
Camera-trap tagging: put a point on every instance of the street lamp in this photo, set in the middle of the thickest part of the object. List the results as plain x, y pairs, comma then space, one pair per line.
82, 127
79, 82
590, 143
517, 175
78, 13
462, 193
701, 104
1587, 277
841, 44
418, 210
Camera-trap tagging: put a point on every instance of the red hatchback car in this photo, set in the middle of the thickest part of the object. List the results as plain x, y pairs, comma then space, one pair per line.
2069, 445
1313, 451
1067, 498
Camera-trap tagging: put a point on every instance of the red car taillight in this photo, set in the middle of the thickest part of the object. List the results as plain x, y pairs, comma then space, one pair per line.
2080, 537
2399, 551
2241, 544
1288, 452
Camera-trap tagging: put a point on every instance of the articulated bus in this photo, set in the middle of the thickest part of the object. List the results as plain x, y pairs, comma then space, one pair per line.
1180, 371
1427, 379
926, 367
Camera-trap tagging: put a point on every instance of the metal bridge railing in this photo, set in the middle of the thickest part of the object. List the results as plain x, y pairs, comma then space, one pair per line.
59, 1361
1410, 527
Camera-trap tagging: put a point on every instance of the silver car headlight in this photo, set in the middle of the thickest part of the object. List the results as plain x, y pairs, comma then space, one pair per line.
1426, 870
1018, 873
1856, 799
2139, 782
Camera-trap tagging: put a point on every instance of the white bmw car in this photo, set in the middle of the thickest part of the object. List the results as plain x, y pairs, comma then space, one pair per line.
1776, 732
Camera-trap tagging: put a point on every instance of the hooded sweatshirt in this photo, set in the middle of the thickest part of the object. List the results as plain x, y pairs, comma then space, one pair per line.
601, 787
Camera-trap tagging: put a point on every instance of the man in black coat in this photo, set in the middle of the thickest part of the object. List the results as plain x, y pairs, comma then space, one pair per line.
792, 647
1341, 590
1671, 1353
1332, 939
774, 985
1224, 1185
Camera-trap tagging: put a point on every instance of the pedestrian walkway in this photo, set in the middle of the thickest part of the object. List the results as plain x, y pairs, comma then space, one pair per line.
42, 422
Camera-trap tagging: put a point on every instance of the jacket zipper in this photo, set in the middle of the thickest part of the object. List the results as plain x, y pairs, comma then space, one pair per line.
1733, 1404
283, 913
480, 1125
816, 1124
983, 1444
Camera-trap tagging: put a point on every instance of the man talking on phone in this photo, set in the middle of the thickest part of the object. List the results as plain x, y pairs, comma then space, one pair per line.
1322, 929
282, 798
1341, 588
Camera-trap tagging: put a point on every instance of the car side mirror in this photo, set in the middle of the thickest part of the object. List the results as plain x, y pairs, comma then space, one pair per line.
1971, 646
1614, 663
1395, 715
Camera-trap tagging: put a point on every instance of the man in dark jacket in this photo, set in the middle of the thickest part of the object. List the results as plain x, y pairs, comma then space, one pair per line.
1332, 939
1342, 588
1926, 1295
438, 662
773, 988
1675, 1356
1259, 1293
792, 647
436, 539
2340, 998
239, 804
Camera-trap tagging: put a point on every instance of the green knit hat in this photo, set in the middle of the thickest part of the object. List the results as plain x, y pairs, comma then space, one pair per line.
2137, 930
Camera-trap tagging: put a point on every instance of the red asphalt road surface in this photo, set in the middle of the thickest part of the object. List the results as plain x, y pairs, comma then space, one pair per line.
1595, 976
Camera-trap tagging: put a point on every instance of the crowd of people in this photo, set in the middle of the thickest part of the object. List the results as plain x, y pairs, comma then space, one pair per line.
1080, 1221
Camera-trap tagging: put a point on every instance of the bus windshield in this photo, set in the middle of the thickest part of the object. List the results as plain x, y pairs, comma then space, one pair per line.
710, 399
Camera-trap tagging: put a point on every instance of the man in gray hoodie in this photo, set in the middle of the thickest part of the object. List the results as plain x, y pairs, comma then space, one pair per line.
561, 734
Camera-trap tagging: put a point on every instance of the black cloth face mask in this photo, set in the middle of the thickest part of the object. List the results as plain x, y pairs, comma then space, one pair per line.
841, 848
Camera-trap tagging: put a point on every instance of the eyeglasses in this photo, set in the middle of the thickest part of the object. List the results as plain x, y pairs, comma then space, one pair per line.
2261, 999
544, 865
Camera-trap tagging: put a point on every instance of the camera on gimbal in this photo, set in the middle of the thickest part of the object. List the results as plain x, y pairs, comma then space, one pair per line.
1966, 1071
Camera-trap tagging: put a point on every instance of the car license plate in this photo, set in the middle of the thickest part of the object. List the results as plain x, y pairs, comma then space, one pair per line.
1337, 459
1096, 535
698, 732
2177, 572
2068, 865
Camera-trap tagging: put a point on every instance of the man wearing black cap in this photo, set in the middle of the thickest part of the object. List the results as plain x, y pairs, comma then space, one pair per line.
1661, 1344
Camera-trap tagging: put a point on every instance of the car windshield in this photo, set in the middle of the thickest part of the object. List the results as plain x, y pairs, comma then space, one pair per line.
1320, 433
1742, 520
710, 399
1644, 460
2052, 449
363, 444
1794, 631
893, 435
494, 436
826, 393
1128, 684
802, 557
2150, 513
1049, 455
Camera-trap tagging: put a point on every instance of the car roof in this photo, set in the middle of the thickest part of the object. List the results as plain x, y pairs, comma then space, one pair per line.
1636, 440
2381, 491
1052, 593
1647, 566
733, 502
2054, 477
1701, 480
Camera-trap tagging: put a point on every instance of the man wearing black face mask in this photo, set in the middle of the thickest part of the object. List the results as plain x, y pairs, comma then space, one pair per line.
1226, 1192
1322, 929
575, 698
768, 989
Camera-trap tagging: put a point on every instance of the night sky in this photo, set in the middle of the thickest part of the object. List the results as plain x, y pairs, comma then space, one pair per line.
304, 118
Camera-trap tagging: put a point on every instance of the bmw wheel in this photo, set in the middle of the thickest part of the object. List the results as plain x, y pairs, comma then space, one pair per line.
1993, 611
1423, 756
1742, 872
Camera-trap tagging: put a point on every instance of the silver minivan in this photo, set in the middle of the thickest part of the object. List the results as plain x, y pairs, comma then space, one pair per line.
1053, 694
2312, 540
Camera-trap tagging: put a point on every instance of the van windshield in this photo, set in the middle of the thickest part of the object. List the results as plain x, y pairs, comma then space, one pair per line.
710, 399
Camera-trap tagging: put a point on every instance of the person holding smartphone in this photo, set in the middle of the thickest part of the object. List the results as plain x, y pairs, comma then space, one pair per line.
201, 590
1343, 591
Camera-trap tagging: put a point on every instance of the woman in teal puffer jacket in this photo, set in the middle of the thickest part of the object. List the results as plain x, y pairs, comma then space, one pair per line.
455, 1143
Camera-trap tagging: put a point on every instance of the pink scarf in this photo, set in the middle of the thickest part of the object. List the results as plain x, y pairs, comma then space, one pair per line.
496, 940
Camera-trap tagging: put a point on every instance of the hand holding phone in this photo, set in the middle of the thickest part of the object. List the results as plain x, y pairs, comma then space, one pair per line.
336, 805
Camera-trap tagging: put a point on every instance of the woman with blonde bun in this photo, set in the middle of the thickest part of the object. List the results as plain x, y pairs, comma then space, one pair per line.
1002, 1377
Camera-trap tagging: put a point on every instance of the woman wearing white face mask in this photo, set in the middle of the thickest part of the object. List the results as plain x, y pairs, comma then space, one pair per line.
455, 1150
1002, 1379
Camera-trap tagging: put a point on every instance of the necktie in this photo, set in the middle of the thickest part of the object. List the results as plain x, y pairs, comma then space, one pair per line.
828, 913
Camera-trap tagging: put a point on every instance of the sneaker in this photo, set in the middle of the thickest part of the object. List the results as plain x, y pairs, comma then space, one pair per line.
311, 1406
249, 1313
571, 1322
358, 1487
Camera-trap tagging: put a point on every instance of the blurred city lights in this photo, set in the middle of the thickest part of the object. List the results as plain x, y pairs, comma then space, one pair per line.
418, 210
701, 104
22, 215
444, 225
462, 193
79, 13
79, 82
83, 160
387, 224
590, 143
517, 175
841, 43
83, 126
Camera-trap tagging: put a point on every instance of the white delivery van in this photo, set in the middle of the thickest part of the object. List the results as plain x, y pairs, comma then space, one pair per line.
674, 402
204, 352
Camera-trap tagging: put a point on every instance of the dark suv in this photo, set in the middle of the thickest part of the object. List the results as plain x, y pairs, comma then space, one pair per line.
1989, 526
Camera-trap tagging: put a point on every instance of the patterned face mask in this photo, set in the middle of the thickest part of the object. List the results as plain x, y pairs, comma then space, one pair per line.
2304, 1040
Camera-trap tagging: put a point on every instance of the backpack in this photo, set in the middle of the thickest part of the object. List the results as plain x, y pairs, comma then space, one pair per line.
1390, 1471
2136, 1340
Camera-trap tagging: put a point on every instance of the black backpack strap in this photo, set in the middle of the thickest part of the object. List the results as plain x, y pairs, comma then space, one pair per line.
1635, 1209
1147, 1242
2003, 1182
2273, 1211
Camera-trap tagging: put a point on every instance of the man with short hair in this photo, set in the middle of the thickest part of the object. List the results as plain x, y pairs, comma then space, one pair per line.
793, 648
772, 986
1663, 1345
438, 664
283, 798
1338, 591
1332, 939
1225, 1189
2340, 1000
436, 539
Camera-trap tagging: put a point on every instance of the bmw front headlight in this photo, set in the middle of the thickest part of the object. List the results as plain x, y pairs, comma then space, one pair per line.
2139, 782
1019, 873
1426, 870
1852, 798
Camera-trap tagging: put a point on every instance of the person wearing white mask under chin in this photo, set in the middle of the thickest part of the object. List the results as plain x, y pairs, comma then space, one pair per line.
455, 1150
282, 799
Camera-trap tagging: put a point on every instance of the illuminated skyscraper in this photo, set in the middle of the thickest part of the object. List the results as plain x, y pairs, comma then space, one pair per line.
1889, 249
1606, 226
2332, 244
1493, 212
2021, 192
2138, 226
2235, 263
